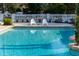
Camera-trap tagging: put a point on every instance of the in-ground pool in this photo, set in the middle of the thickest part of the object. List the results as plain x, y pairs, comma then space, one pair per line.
21, 41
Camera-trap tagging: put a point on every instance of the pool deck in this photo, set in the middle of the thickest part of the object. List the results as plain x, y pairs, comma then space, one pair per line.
40, 25
4, 29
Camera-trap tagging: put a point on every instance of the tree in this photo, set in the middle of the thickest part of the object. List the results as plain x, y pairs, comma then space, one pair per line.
53, 8
77, 25
77, 9
70, 8
58, 8
18, 10
34, 7
77, 30
10, 7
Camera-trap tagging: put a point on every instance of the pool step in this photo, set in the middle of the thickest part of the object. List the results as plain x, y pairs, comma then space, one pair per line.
26, 46
32, 46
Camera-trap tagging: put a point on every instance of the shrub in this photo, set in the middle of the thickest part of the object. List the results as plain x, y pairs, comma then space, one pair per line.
77, 30
7, 21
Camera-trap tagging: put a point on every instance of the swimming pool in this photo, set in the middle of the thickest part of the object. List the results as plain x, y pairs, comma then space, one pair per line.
21, 41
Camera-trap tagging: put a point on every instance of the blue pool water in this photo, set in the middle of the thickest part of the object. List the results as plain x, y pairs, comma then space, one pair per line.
22, 41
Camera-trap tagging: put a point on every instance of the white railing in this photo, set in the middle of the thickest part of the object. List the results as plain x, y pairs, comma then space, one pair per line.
27, 16
53, 17
1, 17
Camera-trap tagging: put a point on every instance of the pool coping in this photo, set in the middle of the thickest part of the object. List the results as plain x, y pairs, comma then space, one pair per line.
40, 25
4, 29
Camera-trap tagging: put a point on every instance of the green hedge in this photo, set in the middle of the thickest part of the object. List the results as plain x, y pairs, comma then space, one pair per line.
7, 21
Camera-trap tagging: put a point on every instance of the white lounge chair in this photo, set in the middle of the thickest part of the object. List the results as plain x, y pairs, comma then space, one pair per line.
32, 22
44, 22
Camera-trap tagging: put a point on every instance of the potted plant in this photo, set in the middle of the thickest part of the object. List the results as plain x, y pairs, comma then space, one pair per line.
7, 18
7, 21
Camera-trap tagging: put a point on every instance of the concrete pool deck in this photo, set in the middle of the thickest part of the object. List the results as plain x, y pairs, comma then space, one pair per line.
4, 29
40, 25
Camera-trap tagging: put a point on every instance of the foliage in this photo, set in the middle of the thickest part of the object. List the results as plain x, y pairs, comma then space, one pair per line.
70, 8
55, 8
77, 10
10, 7
18, 10
35, 8
7, 21
77, 29
77, 24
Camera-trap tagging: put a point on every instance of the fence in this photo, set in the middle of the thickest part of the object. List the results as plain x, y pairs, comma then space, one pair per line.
27, 17
37, 17
1, 17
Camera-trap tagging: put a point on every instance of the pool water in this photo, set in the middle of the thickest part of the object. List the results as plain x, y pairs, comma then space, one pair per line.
21, 41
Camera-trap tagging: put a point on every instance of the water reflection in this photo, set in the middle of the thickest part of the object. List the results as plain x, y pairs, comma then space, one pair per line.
45, 31
32, 31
